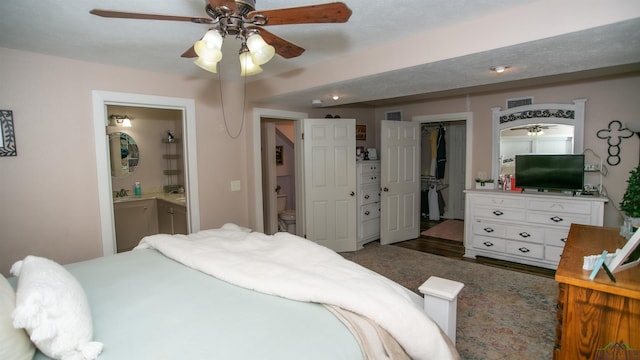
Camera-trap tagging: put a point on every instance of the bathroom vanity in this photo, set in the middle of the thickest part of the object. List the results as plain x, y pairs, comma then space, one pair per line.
137, 217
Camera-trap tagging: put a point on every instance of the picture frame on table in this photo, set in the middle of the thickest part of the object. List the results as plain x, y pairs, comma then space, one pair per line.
629, 256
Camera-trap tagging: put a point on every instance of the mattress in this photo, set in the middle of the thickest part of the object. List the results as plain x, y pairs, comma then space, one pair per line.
147, 306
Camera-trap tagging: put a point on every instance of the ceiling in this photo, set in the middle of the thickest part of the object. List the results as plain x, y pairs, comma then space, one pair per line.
577, 51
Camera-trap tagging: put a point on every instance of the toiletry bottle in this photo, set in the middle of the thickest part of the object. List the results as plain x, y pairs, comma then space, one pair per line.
137, 190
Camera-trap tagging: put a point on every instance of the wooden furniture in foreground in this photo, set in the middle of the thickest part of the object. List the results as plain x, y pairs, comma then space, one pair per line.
597, 319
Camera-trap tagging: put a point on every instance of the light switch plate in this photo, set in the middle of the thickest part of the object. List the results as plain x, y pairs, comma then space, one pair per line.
235, 185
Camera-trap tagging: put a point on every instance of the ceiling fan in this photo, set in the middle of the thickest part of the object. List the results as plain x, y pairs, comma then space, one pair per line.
534, 129
240, 19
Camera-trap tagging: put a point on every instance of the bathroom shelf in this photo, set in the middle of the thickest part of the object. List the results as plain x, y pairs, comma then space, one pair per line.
172, 168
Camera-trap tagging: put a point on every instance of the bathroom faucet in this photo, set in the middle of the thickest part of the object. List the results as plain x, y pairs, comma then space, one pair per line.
121, 193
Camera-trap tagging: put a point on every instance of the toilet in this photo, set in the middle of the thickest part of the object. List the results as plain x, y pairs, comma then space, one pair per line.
286, 218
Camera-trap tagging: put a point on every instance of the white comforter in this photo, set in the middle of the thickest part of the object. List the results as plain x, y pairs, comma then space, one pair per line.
289, 266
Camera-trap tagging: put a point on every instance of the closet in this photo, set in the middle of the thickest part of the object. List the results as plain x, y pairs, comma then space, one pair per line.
443, 147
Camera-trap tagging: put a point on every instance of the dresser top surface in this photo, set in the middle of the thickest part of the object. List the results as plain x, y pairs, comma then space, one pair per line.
540, 195
587, 240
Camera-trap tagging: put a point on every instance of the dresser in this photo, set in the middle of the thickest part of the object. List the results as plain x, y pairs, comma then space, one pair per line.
597, 319
368, 203
527, 228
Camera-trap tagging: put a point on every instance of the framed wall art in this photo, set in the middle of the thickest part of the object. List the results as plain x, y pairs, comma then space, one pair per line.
8, 135
361, 132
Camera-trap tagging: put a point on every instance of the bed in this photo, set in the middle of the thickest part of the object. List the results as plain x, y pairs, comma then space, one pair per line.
225, 293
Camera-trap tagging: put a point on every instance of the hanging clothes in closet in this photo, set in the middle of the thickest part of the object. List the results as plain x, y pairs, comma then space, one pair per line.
440, 152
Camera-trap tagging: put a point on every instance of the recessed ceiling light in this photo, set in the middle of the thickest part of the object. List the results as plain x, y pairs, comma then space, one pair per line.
316, 102
335, 97
499, 69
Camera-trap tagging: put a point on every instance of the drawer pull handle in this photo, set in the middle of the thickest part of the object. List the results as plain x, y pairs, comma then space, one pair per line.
524, 250
488, 243
367, 212
366, 196
498, 213
524, 234
556, 219
564, 240
488, 229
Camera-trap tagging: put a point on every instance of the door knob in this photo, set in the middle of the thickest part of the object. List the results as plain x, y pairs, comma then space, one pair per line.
386, 189
352, 193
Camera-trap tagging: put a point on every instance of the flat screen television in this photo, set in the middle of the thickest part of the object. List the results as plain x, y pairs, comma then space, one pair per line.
550, 172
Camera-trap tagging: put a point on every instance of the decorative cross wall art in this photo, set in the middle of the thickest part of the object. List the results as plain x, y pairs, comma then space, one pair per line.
614, 135
8, 138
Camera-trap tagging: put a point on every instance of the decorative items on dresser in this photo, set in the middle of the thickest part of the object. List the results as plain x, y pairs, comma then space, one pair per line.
368, 204
527, 228
599, 318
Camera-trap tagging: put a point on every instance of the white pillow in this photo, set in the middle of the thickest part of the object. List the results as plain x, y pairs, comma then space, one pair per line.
14, 343
52, 306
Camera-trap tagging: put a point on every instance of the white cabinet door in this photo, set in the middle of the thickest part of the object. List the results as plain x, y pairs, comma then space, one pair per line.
400, 181
330, 182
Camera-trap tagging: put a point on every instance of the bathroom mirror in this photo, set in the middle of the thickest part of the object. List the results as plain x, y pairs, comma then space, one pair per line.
124, 154
535, 129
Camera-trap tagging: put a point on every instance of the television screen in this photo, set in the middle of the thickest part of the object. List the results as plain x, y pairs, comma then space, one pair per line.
550, 172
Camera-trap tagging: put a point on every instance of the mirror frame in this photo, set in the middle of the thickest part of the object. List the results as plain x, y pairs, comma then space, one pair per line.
131, 161
567, 114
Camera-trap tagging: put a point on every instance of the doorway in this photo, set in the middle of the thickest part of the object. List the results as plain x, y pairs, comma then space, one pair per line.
103, 99
279, 175
457, 176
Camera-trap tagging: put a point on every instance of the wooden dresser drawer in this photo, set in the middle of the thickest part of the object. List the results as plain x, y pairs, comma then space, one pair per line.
370, 211
370, 228
370, 194
554, 237
553, 253
502, 202
526, 233
500, 213
529, 250
489, 229
487, 243
575, 207
560, 219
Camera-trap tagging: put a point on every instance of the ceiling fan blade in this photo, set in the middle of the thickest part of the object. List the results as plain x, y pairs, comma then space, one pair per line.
336, 12
128, 15
231, 4
283, 47
190, 53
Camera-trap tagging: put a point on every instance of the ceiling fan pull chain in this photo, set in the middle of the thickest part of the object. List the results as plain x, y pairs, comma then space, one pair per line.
224, 117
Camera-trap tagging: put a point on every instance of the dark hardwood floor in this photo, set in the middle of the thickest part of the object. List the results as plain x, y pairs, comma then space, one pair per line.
455, 250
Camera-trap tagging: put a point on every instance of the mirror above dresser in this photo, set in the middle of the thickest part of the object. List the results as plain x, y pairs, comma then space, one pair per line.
535, 129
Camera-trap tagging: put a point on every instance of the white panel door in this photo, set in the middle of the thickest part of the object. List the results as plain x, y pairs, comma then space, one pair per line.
400, 181
330, 182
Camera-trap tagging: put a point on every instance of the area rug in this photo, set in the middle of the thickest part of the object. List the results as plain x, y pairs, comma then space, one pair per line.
448, 229
502, 314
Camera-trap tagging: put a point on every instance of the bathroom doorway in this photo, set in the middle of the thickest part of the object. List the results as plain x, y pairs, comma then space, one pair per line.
186, 107
279, 174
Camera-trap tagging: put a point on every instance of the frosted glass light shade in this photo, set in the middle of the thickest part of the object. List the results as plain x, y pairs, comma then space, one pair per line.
209, 47
211, 66
247, 66
261, 52
126, 122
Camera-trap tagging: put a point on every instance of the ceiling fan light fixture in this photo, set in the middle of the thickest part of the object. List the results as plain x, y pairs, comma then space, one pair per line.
261, 52
210, 46
211, 66
247, 66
